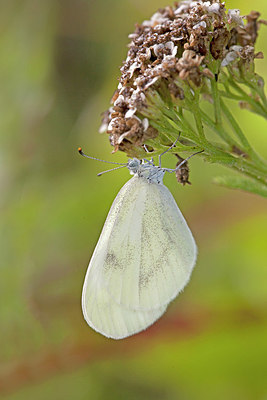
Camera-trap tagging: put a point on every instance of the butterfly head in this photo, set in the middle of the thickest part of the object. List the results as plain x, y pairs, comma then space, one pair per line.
146, 169
133, 165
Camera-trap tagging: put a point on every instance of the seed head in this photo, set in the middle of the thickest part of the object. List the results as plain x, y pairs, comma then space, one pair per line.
184, 45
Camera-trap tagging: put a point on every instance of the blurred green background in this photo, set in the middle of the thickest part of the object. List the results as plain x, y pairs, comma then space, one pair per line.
58, 69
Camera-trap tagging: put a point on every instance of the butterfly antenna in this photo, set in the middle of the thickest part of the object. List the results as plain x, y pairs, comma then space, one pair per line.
109, 170
98, 159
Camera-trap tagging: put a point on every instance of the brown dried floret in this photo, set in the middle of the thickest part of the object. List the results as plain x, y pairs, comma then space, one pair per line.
247, 53
104, 121
118, 125
188, 67
182, 174
176, 91
150, 133
251, 28
218, 43
135, 133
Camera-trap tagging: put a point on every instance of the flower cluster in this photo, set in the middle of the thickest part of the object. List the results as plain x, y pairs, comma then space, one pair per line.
182, 46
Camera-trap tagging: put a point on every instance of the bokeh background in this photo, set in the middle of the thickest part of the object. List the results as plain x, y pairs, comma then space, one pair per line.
58, 69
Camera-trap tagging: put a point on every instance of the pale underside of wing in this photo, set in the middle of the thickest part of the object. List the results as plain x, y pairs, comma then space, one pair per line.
146, 252
104, 315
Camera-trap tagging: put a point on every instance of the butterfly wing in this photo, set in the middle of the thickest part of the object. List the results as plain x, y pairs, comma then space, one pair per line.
109, 318
143, 258
149, 250
102, 312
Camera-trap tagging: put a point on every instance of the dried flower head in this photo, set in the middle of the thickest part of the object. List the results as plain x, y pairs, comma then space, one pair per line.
184, 45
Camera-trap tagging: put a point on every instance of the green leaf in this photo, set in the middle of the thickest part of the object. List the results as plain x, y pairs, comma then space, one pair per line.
246, 184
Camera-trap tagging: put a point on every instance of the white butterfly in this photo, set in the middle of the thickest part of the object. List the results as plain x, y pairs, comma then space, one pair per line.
144, 256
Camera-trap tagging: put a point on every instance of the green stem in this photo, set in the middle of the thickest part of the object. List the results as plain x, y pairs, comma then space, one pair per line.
253, 85
192, 104
218, 129
216, 100
258, 108
237, 163
176, 119
230, 95
186, 127
243, 140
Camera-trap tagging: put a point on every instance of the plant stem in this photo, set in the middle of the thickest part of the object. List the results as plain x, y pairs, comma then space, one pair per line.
258, 108
216, 100
192, 102
243, 140
218, 129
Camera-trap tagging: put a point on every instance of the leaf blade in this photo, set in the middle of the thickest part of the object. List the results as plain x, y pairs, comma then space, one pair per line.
242, 183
